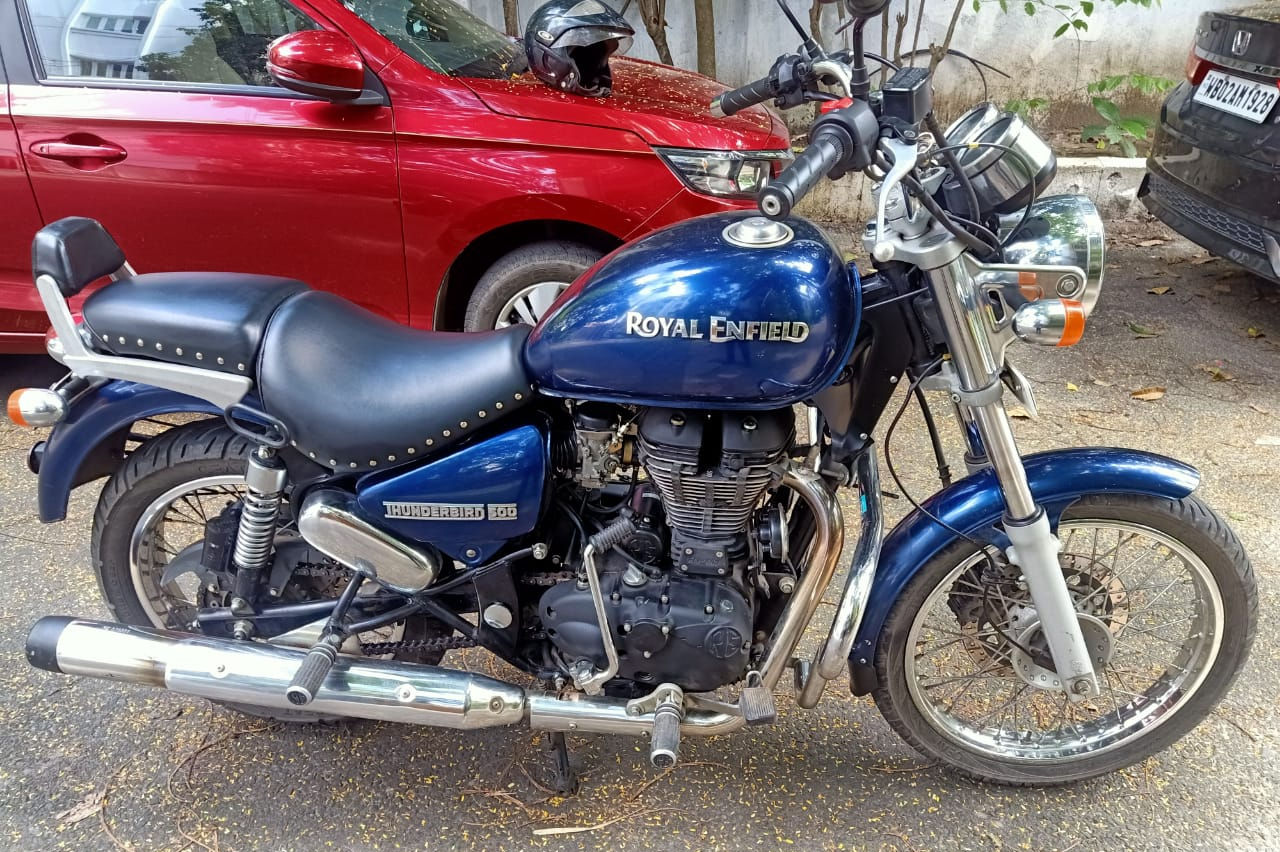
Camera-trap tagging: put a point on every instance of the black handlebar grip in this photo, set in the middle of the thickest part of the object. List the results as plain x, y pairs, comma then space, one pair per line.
824, 153
736, 100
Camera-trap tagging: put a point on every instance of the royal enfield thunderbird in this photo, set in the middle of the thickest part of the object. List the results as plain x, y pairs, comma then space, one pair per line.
619, 501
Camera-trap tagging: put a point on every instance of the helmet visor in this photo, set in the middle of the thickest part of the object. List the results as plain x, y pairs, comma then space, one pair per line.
586, 36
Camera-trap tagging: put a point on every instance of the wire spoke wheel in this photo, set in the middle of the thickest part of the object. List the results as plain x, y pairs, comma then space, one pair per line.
1151, 611
169, 526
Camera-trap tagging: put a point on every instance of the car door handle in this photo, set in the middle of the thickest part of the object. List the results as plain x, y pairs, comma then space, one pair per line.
60, 149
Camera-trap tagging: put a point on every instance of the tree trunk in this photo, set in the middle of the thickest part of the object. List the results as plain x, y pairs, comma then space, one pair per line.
653, 12
511, 13
815, 22
704, 18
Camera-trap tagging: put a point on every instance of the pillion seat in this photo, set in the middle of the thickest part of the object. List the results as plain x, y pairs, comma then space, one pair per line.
353, 389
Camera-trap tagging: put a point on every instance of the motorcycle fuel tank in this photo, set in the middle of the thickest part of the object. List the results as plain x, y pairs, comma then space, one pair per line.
726, 310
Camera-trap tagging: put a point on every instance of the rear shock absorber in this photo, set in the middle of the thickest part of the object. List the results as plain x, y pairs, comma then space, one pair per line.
264, 485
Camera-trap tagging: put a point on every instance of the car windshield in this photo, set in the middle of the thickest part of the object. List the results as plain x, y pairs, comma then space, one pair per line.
443, 36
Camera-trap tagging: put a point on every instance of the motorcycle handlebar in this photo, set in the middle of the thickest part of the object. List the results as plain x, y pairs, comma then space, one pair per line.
744, 97
826, 150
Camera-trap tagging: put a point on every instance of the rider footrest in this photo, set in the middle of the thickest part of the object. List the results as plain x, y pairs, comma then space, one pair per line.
756, 702
311, 674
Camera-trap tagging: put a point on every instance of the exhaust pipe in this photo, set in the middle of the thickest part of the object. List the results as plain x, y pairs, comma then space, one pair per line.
258, 674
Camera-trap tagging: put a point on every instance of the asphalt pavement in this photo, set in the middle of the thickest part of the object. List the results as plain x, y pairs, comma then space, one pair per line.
91, 765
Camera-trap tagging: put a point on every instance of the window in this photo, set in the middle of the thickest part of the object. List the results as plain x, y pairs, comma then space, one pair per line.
180, 41
443, 36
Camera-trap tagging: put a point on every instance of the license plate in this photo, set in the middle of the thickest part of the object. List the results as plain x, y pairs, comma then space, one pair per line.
1238, 96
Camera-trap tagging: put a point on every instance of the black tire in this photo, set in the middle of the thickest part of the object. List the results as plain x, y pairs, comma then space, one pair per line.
184, 454
1188, 521
551, 261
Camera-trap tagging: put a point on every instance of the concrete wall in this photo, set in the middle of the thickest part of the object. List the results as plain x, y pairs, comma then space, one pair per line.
751, 33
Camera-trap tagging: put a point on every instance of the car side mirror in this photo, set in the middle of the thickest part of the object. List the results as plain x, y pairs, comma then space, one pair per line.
318, 63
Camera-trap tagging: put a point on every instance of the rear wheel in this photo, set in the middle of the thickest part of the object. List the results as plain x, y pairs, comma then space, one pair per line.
154, 509
1167, 601
521, 286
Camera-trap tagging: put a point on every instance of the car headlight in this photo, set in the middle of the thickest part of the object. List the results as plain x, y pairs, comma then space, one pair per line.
727, 174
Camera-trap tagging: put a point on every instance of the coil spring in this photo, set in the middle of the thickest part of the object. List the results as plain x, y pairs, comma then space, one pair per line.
257, 529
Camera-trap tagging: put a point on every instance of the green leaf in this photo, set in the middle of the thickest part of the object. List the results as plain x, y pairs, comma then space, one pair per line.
1086, 7
1107, 109
1135, 126
977, 6
1061, 30
1079, 24
1004, 5
1030, 8
1092, 131
1130, 150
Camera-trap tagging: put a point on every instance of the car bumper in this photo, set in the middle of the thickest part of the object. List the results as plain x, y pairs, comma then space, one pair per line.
1224, 201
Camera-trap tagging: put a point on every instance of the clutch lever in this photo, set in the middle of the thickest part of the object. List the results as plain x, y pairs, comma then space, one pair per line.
904, 159
837, 69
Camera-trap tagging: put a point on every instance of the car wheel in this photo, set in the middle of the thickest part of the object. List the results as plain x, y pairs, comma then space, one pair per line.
522, 285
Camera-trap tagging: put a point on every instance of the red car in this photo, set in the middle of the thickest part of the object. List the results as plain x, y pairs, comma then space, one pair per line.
447, 190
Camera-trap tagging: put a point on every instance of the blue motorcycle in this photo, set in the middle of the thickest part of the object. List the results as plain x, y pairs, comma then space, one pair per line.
618, 501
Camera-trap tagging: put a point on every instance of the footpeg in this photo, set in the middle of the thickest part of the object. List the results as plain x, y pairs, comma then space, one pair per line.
664, 745
311, 674
756, 702
666, 703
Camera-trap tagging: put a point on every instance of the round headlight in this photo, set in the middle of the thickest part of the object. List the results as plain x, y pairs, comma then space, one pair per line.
1062, 230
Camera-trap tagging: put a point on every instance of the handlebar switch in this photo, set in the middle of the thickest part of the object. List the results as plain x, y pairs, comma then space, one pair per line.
907, 96
859, 125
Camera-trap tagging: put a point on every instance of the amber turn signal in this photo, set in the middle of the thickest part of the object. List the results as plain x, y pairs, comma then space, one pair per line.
32, 407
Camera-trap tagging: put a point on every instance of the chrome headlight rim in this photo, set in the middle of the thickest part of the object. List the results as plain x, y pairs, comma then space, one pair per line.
694, 167
1061, 230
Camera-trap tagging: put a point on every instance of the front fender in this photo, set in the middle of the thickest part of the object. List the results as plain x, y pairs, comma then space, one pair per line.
90, 442
974, 506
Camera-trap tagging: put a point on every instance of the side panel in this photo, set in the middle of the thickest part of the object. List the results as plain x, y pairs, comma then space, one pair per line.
974, 506
469, 503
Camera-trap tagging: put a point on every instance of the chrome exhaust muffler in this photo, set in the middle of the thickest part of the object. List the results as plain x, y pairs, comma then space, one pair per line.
257, 673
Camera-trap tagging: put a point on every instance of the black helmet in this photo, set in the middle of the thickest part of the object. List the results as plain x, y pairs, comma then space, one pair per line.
569, 42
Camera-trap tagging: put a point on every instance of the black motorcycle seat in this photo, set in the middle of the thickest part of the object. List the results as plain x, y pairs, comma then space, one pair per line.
211, 320
357, 391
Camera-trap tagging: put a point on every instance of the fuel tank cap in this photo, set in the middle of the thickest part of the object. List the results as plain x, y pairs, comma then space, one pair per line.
758, 232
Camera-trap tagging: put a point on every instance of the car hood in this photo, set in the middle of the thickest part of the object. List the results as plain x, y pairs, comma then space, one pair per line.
664, 106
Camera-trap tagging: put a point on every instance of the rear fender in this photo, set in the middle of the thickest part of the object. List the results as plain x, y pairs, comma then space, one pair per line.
974, 506
90, 443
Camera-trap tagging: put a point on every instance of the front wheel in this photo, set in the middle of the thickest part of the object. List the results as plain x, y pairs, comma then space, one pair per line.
1166, 597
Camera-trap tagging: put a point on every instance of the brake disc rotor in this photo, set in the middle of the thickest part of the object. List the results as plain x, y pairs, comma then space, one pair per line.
1097, 636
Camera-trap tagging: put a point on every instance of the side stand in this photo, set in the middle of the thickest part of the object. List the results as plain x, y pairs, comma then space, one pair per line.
563, 779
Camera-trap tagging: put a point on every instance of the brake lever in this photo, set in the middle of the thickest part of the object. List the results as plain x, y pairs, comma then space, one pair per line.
905, 158
836, 69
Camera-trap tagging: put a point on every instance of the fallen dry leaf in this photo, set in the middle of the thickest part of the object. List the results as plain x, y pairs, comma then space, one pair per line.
1160, 291
1142, 331
1150, 243
1101, 383
1201, 261
1259, 408
1222, 288
1219, 374
1147, 394
1255, 333
1018, 412
82, 810
1072, 387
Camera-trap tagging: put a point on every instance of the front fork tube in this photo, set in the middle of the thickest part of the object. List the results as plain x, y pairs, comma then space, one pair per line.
987, 426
